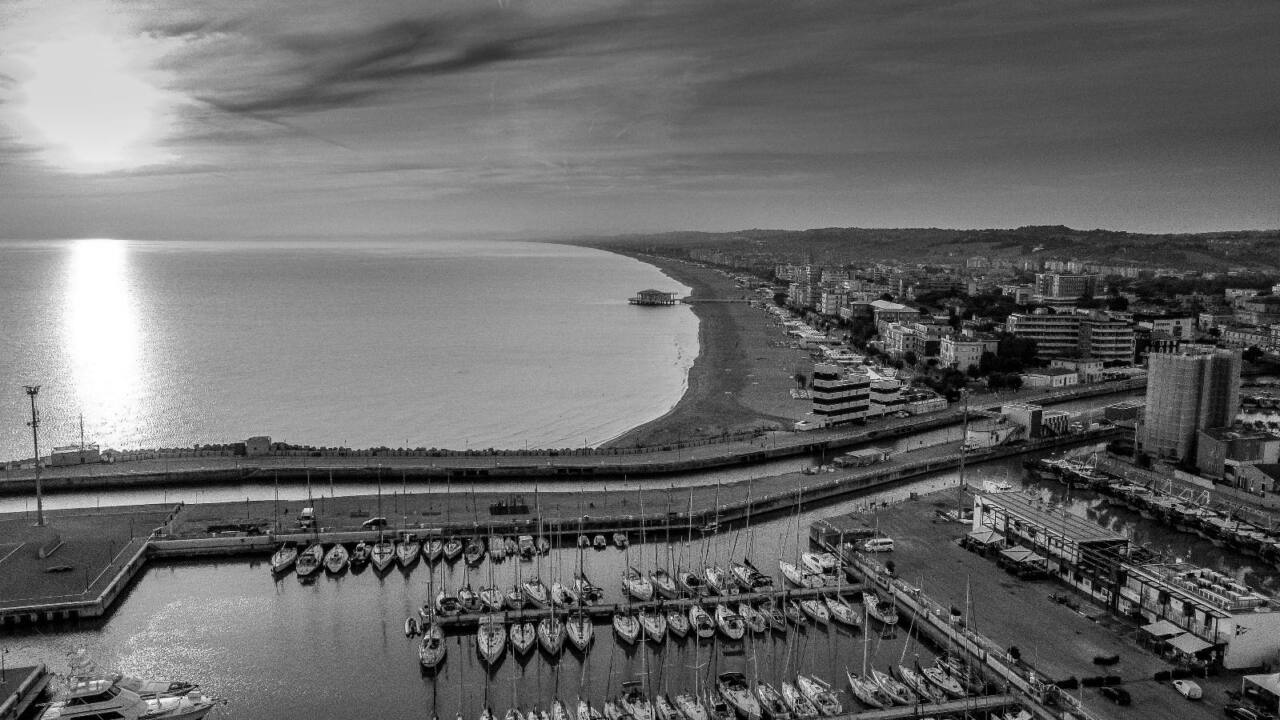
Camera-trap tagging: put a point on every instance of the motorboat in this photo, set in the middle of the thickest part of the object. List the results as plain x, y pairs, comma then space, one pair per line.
95, 698
771, 705
410, 626
580, 631
452, 550
473, 551
654, 625
626, 626
664, 708
634, 703
408, 550
841, 611
923, 689
511, 547
620, 540
677, 623
799, 705
497, 551
431, 650
689, 706
941, 680
867, 692
829, 563
811, 563
897, 691
584, 542
718, 580
361, 555
730, 623
536, 593
335, 561
551, 633
562, 596
525, 544
815, 610
701, 622
469, 599
542, 545
796, 575
382, 555
283, 558
84, 667
523, 637
734, 689
599, 542
309, 561
752, 618
587, 592
433, 550
636, 585
691, 583
664, 584
879, 610
819, 692
491, 599
491, 639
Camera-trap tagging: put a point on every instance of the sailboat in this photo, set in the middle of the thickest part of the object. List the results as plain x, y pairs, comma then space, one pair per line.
636, 586
431, 650
335, 561
718, 580
474, 551
654, 625
626, 626
819, 692
701, 622
586, 712
799, 705
941, 680
452, 550
752, 618
497, 550
664, 708
551, 634
408, 550
523, 636
491, 639
664, 584
635, 703
580, 630
918, 684
878, 609
776, 618
771, 705
867, 692
815, 610
309, 561
491, 598
899, 692
729, 623
433, 550
382, 555
360, 556
689, 707
677, 623
793, 611
734, 689
840, 610
284, 558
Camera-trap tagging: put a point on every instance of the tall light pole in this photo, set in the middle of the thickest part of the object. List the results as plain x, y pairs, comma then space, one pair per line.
33, 390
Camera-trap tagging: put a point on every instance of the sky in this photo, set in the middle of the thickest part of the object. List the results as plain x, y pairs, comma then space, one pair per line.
184, 119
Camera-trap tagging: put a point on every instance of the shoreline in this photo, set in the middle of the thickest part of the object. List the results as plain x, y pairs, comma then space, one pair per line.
712, 403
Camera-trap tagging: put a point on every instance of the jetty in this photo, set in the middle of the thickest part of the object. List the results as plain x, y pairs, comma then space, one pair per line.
653, 297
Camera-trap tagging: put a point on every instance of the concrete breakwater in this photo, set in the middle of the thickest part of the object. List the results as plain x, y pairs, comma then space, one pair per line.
560, 530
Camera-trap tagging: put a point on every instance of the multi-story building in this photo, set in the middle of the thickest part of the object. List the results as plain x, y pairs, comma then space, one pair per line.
961, 352
1187, 391
1021, 294
1088, 369
1245, 336
1094, 335
1218, 447
1050, 377
1258, 310
839, 398
1172, 326
1051, 287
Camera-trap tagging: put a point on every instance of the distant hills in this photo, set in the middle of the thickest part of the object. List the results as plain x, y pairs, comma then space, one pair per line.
1214, 251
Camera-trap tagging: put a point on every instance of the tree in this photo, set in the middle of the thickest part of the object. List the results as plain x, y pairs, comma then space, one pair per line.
1119, 303
909, 357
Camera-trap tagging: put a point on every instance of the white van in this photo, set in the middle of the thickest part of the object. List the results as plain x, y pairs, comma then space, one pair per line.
881, 544
307, 518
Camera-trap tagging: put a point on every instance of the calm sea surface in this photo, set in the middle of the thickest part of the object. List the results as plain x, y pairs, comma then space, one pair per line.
398, 343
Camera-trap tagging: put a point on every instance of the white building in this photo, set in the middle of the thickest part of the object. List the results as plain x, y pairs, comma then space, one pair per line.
962, 352
839, 398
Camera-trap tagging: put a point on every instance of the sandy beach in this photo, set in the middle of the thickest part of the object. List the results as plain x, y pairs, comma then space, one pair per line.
743, 375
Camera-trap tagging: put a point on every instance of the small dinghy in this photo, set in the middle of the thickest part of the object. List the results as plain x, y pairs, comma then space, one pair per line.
410, 626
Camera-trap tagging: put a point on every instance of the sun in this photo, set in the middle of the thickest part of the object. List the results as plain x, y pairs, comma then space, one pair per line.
88, 104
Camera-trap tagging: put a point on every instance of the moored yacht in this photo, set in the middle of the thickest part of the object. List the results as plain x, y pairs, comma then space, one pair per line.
382, 554
636, 585
701, 622
523, 637
491, 639
626, 626
335, 561
93, 699
580, 631
283, 559
734, 689
654, 625
819, 692
730, 623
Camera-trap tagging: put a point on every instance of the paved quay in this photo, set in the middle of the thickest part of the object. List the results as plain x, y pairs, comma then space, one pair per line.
20, 687
1058, 642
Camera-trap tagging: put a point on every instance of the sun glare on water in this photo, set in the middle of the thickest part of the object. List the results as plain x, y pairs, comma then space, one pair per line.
86, 101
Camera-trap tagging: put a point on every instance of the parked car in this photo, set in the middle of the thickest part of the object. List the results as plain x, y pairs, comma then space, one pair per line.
1188, 689
1243, 712
1117, 695
377, 522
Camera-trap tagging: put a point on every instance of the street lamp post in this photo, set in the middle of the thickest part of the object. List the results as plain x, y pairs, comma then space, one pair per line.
32, 391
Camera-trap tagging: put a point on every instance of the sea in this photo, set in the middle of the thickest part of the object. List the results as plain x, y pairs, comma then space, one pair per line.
460, 344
